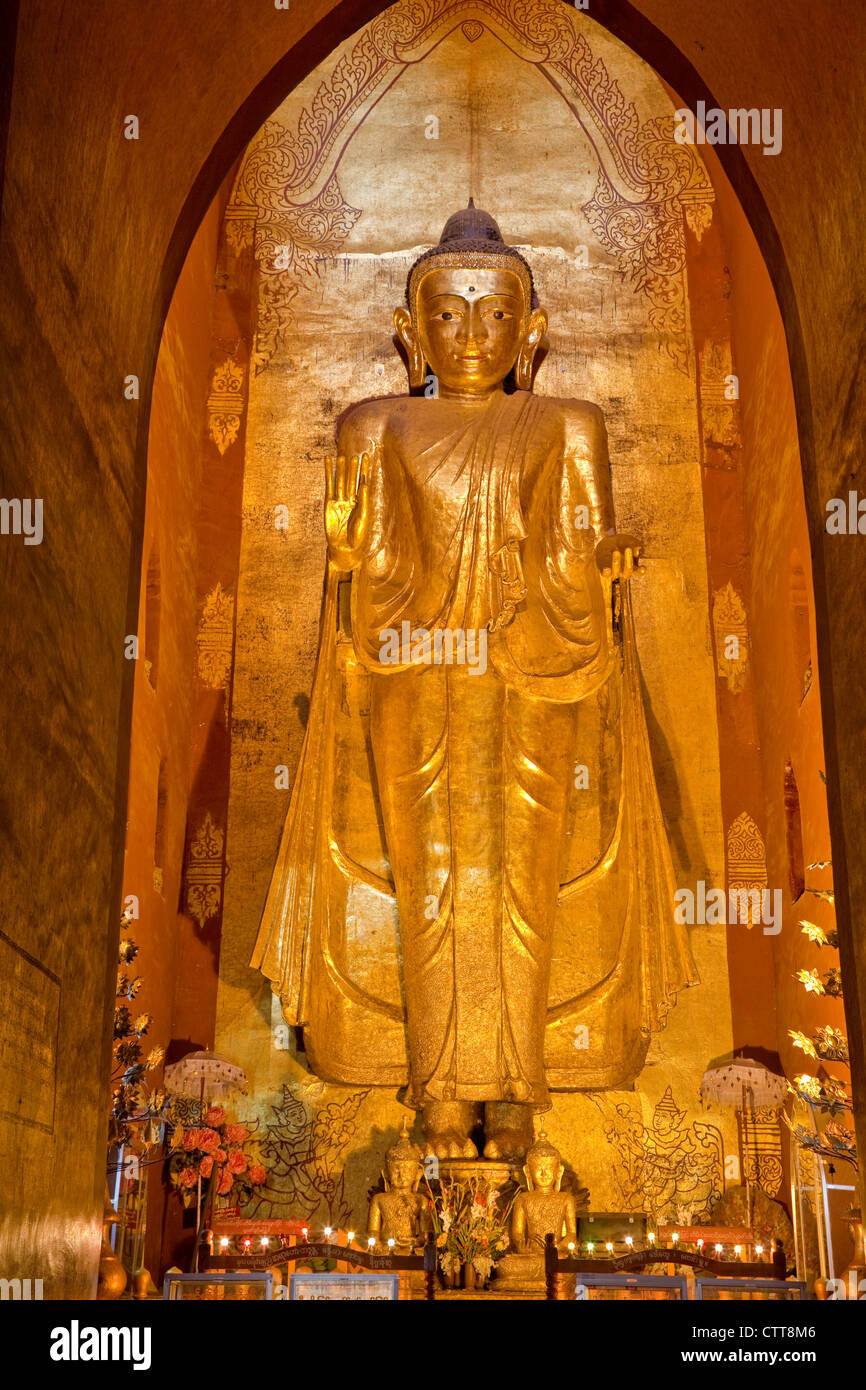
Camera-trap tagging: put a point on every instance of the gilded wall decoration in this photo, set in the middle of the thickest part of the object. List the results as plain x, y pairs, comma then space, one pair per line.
670, 1169
215, 639
699, 213
225, 404
204, 871
718, 394
305, 1152
731, 633
747, 860
647, 184
761, 1147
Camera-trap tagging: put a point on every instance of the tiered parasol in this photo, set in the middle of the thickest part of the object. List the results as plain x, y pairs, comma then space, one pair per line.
205, 1077
743, 1084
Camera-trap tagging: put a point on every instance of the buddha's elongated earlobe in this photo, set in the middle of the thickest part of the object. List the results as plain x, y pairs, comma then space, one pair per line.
409, 338
531, 343
417, 369
523, 368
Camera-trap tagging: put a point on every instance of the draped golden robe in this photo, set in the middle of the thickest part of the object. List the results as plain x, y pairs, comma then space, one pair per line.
453, 904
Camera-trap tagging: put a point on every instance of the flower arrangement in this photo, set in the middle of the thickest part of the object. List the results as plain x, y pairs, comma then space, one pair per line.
132, 1101
470, 1227
223, 1154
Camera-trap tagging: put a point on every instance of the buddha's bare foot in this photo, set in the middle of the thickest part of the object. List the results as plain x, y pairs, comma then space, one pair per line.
447, 1125
506, 1144
507, 1130
449, 1145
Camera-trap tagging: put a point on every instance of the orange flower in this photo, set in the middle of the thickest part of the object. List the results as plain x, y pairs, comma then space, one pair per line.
215, 1116
235, 1134
206, 1166
257, 1173
191, 1139
188, 1177
225, 1183
208, 1140
237, 1161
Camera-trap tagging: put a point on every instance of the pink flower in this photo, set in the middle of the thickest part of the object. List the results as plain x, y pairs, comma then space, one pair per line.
188, 1177
225, 1183
208, 1140
257, 1173
206, 1166
235, 1134
191, 1139
215, 1116
237, 1161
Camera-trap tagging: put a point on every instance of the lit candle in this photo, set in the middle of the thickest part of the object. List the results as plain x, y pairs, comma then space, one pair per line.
571, 1245
590, 1246
327, 1233
371, 1241
247, 1242
718, 1249
701, 1243
652, 1238
224, 1242
350, 1236
759, 1249
738, 1250
305, 1231
390, 1242
265, 1242
629, 1240
609, 1247
675, 1235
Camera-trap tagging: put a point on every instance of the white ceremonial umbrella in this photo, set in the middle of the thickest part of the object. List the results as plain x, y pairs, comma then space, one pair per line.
204, 1074
200, 1076
743, 1084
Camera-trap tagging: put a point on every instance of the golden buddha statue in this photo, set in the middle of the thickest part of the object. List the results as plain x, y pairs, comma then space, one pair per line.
400, 1213
541, 1210
473, 894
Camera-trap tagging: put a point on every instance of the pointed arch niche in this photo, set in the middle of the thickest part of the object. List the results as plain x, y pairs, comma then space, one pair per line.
661, 311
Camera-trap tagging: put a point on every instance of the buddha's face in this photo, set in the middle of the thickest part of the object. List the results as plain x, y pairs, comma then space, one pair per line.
543, 1171
403, 1173
470, 326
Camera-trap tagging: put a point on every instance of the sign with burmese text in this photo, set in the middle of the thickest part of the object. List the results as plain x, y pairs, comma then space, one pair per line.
365, 1288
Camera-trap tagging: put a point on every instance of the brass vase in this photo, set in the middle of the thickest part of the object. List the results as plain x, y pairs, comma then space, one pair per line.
143, 1285
112, 1275
856, 1271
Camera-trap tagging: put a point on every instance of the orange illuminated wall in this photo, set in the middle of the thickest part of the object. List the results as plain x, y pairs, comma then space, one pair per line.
177, 961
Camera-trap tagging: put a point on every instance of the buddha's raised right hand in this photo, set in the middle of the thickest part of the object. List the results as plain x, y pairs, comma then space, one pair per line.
347, 489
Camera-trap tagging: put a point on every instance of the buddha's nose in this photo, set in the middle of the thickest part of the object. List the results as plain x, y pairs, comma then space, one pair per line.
476, 330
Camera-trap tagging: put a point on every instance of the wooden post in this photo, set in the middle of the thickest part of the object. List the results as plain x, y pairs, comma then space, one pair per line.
430, 1268
551, 1257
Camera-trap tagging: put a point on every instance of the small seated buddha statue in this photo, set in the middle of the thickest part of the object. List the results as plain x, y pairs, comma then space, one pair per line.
401, 1212
543, 1208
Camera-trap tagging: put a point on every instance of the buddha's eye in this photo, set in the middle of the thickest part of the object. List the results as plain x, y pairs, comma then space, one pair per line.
446, 315
498, 314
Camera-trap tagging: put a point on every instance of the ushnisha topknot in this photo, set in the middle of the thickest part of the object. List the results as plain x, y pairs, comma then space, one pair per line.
403, 1148
471, 238
542, 1147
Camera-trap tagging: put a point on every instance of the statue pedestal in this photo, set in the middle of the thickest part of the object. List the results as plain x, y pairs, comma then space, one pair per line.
523, 1276
490, 1174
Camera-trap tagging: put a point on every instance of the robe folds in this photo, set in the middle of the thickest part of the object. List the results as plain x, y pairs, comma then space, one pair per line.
473, 893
